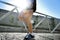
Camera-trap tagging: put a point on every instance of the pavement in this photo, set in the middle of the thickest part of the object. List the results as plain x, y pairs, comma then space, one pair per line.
20, 36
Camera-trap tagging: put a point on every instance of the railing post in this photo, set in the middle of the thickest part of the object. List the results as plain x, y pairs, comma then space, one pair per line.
48, 23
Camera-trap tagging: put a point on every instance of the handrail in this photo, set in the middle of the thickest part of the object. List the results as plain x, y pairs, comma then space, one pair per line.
45, 14
7, 3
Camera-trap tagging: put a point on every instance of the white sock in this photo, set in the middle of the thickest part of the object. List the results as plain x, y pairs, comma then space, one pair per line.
31, 33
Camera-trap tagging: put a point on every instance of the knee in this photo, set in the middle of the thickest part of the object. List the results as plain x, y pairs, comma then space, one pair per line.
20, 18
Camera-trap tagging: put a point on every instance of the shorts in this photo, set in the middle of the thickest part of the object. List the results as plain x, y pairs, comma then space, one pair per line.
34, 6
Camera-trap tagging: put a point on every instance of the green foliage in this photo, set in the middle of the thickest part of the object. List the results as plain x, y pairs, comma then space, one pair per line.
52, 23
11, 18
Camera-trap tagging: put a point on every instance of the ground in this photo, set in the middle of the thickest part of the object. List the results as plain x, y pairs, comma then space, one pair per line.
20, 36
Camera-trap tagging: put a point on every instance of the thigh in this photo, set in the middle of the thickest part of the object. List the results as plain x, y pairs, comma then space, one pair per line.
26, 15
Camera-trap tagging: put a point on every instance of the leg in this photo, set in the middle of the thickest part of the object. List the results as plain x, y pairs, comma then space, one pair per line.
26, 17
29, 24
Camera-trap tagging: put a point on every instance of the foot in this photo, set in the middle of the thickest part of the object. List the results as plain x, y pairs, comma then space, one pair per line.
29, 36
32, 36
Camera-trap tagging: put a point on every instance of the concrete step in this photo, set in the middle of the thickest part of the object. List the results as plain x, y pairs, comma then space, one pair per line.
20, 36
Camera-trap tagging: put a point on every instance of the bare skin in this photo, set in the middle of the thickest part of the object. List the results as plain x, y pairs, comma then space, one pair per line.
26, 16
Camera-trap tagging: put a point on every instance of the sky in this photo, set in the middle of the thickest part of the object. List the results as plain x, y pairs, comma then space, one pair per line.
49, 7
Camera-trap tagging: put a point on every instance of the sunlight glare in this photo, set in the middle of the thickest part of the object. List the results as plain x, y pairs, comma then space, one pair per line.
21, 4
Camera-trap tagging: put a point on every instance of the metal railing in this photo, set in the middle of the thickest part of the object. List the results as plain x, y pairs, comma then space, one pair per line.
15, 8
46, 18
7, 14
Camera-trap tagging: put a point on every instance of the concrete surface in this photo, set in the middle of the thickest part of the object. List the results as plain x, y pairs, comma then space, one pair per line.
20, 36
